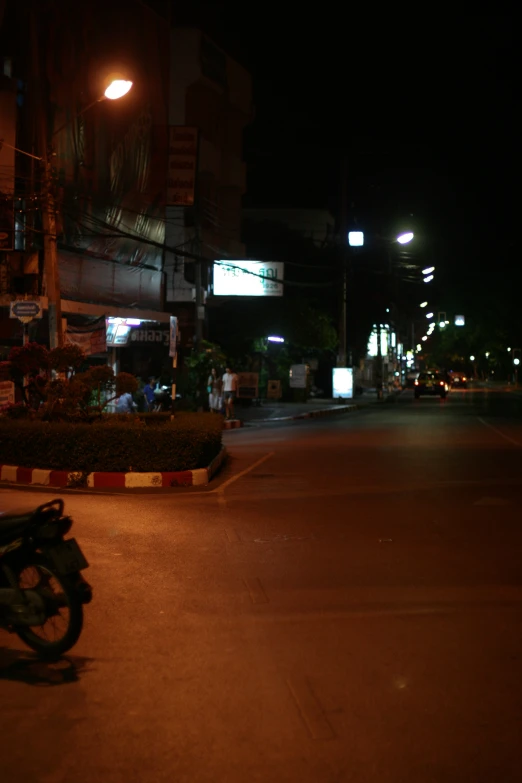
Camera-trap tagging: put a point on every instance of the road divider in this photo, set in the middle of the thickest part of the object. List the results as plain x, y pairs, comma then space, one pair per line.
61, 479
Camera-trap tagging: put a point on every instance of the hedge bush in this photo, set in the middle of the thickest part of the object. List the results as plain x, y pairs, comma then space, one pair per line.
119, 443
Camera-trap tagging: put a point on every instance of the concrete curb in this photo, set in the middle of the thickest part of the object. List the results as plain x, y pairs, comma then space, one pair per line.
310, 414
232, 424
98, 480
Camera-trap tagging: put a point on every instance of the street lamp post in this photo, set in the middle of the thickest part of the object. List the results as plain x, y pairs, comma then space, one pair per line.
116, 87
401, 239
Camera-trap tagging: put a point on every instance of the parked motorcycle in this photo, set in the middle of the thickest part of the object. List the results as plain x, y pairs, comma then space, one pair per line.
42, 590
162, 400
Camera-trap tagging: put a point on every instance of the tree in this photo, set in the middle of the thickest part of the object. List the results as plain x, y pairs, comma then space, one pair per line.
200, 365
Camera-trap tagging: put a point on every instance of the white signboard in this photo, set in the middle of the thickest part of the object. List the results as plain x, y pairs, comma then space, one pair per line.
342, 383
298, 375
7, 393
248, 278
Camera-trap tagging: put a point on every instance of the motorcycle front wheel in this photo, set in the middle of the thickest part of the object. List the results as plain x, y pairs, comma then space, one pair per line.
64, 611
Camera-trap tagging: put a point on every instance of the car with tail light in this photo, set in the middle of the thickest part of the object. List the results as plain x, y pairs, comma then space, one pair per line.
432, 384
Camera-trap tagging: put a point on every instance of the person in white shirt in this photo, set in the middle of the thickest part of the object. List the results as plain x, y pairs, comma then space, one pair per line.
229, 392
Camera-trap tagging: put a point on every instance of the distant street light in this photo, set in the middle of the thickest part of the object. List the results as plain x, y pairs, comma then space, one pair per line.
423, 304
424, 339
429, 315
460, 320
428, 279
274, 339
472, 358
356, 238
403, 239
428, 270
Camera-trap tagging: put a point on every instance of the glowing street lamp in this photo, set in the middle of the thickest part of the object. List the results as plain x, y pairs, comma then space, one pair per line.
423, 304
403, 239
428, 279
472, 358
356, 238
117, 89
428, 270
429, 315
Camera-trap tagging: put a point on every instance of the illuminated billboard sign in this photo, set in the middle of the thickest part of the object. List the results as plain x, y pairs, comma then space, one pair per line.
342, 378
248, 278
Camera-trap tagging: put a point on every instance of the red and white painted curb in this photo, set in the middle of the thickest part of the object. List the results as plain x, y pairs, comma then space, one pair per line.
232, 424
97, 480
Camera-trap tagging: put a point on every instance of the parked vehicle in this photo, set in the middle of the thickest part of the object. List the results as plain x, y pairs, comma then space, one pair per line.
42, 590
162, 400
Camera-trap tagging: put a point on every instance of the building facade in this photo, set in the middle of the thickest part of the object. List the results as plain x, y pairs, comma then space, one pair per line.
108, 161
210, 104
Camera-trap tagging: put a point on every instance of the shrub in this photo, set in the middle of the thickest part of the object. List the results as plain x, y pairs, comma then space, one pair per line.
73, 395
187, 442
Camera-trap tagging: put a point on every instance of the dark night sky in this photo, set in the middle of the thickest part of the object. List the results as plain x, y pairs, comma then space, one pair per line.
423, 108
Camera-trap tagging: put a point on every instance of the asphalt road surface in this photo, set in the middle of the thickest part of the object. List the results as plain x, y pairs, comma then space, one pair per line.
342, 604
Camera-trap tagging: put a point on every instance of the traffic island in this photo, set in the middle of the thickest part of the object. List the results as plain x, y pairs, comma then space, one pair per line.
77, 479
118, 452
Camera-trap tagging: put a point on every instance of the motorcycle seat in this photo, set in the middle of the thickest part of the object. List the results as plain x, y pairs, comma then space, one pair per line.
14, 523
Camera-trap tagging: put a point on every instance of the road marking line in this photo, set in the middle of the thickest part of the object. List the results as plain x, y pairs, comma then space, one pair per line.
231, 480
492, 502
232, 535
255, 588
506, 437
310, 709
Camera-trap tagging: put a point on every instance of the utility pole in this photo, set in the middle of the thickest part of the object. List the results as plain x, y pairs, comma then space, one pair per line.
48, 206
343, 228
52, 277
379, 373
200, 307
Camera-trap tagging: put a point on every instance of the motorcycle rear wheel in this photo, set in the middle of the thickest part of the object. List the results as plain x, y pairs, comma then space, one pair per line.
64, 623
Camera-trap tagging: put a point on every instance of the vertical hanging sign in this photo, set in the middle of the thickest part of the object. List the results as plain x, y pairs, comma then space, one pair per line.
173, 336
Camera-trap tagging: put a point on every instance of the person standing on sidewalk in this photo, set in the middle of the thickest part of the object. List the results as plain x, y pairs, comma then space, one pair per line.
230, 381
214, 387
148, 391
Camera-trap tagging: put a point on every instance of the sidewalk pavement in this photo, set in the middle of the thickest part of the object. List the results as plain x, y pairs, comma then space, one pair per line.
271, 411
